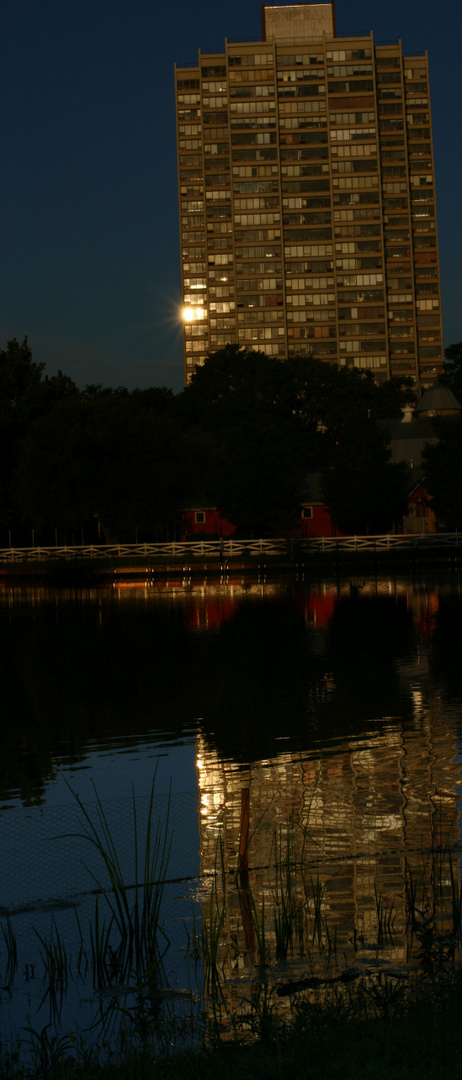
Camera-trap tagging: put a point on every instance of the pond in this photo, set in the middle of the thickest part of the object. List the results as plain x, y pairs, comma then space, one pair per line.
301, 744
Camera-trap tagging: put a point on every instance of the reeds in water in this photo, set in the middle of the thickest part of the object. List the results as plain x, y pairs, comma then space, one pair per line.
11, 945
56, 966
386, 917
127, 937
212, 924
283, 928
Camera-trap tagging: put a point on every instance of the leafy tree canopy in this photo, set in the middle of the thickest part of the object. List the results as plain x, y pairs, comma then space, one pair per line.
452, 371
364, 491
242, 437
54, 483
237, 381
256, 473
20, 378
272, 420
442, 462
141, 471
233, 382
107, 458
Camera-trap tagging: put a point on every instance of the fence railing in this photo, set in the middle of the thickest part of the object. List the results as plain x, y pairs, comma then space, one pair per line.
179, 551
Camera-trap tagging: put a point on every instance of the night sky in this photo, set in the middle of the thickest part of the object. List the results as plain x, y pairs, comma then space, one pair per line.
90, 266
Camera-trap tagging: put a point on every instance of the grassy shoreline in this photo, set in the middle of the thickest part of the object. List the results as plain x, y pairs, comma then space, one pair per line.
353, 1019
406, 1033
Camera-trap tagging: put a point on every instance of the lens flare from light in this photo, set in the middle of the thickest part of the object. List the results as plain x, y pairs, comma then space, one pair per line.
193, 314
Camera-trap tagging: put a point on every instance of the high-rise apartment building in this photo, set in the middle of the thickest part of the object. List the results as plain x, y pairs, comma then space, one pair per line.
307, 199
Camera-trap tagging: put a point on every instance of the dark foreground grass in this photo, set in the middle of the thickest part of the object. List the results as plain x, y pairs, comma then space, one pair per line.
408, 1032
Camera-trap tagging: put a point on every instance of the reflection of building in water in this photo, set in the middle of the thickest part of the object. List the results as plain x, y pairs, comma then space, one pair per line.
362, 810
211, 605
208, 605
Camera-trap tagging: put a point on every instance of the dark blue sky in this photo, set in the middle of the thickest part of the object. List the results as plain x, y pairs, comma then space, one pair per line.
89, 235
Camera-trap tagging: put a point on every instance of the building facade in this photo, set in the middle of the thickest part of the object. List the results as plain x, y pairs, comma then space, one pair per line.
307, 199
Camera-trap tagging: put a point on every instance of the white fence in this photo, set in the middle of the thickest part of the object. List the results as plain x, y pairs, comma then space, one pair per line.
231, 549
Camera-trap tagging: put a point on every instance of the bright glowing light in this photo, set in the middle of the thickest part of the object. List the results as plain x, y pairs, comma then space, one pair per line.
190, 314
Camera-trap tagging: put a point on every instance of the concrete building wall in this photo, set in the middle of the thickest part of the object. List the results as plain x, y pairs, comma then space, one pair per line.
298, 22
307, 204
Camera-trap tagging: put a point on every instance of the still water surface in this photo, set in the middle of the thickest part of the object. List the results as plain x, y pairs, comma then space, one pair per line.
331, 711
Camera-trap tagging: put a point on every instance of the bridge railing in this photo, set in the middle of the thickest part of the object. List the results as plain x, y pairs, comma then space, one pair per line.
230, 549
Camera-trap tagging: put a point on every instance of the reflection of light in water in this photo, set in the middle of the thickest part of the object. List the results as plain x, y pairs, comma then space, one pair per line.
417, 699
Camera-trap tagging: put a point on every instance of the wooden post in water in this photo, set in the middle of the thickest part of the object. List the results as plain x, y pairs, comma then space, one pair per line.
244, 842
244, 887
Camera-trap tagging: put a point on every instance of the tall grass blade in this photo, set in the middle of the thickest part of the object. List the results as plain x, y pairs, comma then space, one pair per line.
132, 941
11, 946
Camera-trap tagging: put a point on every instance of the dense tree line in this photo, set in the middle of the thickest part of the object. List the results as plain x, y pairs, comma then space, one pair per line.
111, 464
443, 460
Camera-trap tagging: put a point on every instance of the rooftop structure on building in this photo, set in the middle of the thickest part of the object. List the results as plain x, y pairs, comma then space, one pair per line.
410, 435
438, 400
307, 199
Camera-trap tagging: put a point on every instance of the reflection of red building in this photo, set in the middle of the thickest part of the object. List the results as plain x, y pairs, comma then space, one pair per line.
208, 613
209, 610
424, 614
212, 605
320, 607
